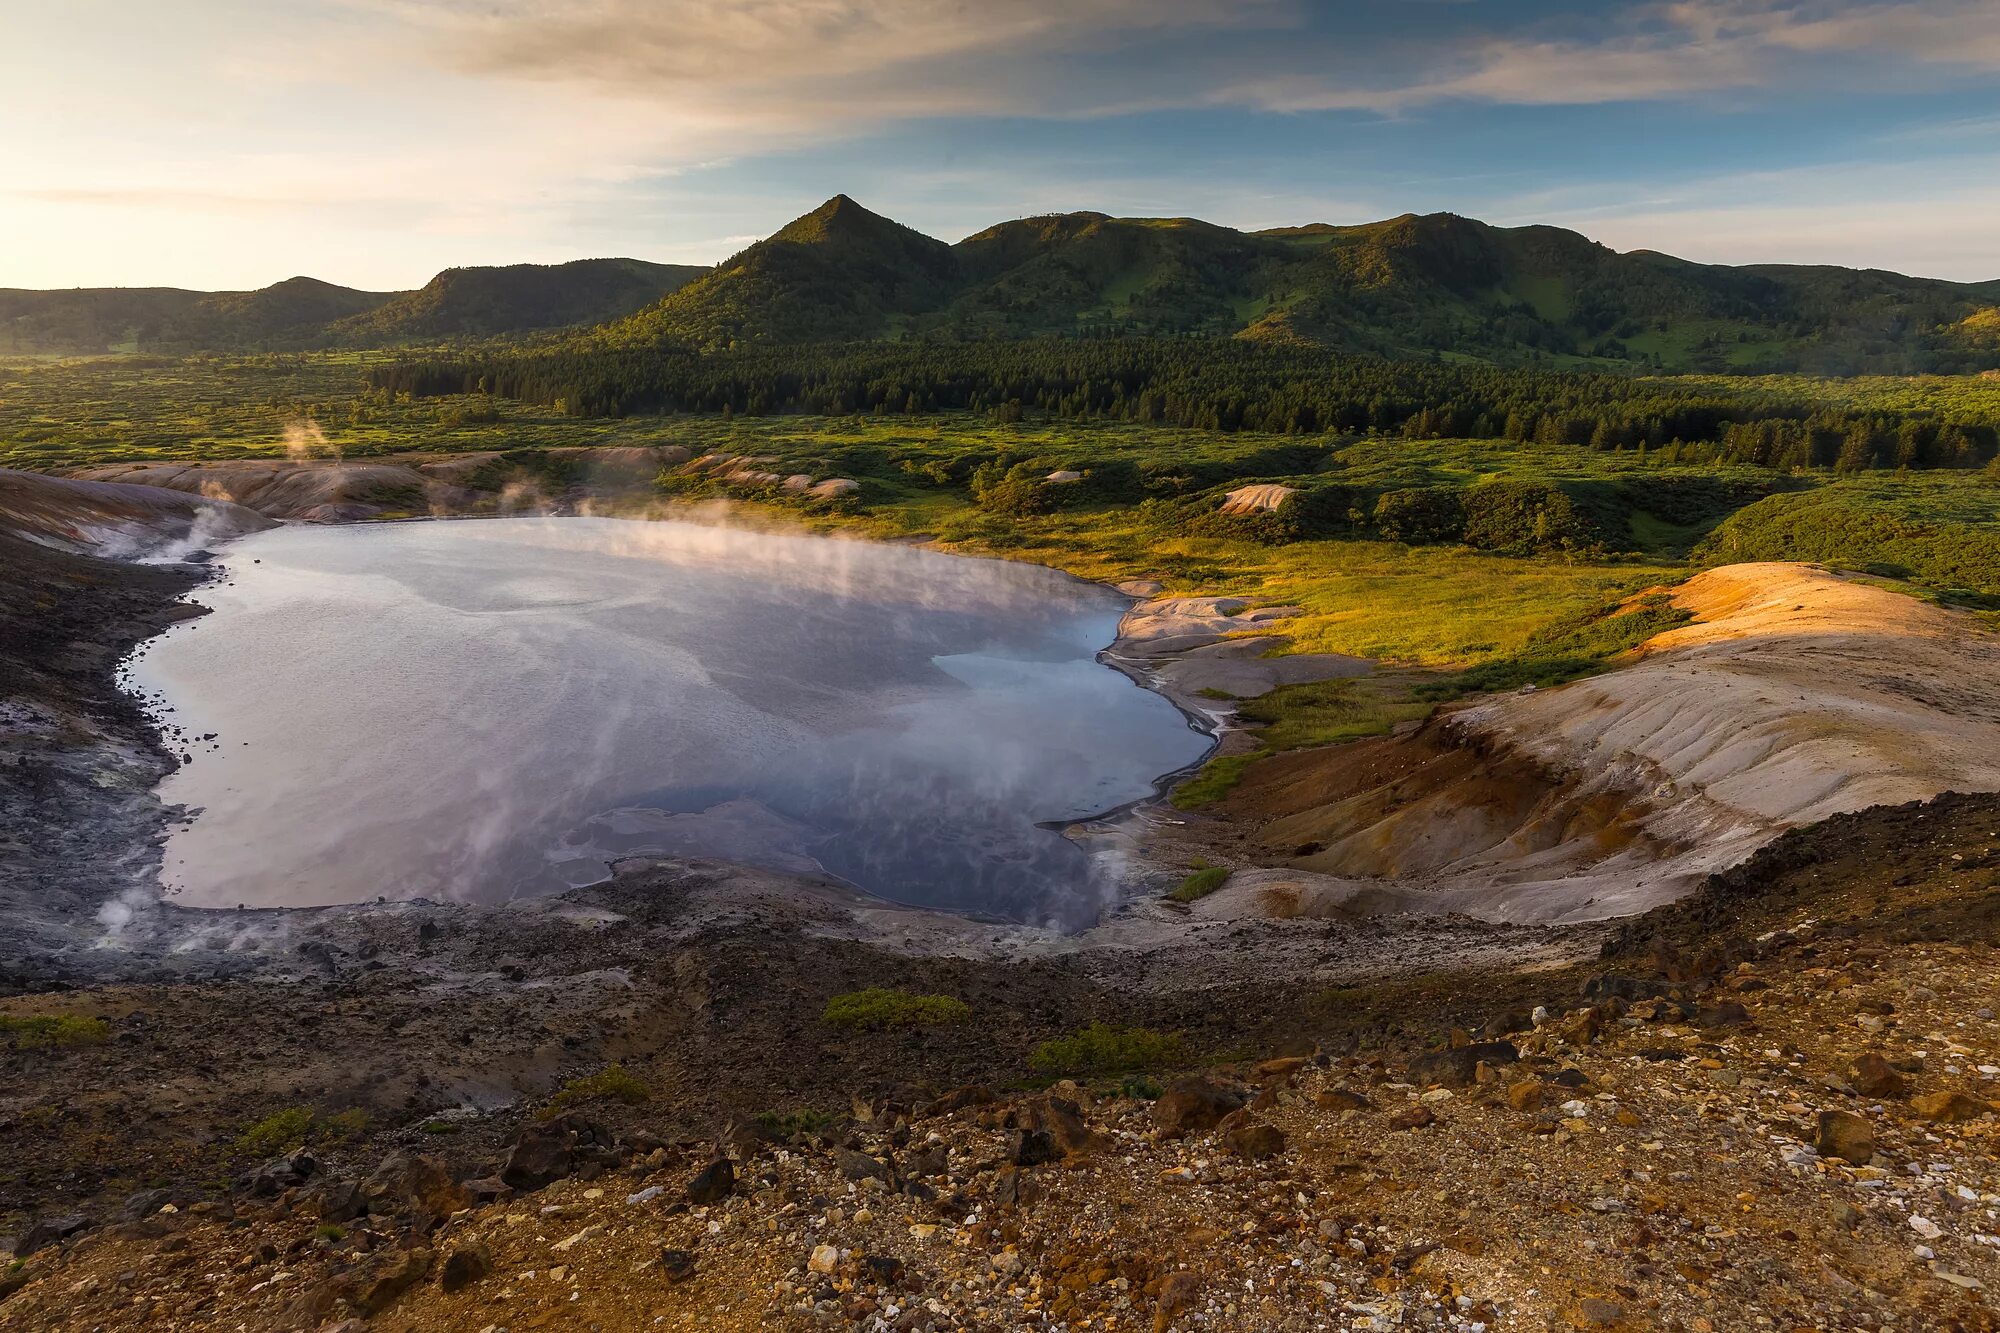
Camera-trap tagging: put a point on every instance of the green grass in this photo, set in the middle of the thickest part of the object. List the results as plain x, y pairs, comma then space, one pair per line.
1565, 651
277, 1133
612, 1083
1216, 779
61, 1031
1200, 884
1939, 531
877, 1007
1328, 712
1104, 1049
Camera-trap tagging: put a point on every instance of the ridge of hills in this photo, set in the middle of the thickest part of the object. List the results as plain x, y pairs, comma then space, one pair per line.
1436, 285
1433, 287
301, 313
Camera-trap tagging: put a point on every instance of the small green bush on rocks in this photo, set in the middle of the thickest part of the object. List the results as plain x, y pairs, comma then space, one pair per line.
1105, 1049
880, 1007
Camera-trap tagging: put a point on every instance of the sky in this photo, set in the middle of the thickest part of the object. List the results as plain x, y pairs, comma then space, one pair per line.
227, 144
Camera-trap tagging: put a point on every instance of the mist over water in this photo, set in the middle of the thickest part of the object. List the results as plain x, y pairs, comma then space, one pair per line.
486, 709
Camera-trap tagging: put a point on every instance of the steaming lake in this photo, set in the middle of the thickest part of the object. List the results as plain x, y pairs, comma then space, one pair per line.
492, 708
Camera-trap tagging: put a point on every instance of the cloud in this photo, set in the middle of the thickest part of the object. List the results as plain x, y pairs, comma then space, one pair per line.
1659, 52
809, 67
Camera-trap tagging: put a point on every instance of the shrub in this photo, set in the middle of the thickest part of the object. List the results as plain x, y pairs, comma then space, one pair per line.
57, 1030
1421, 514
1104, 1049
611, 1083
1200, 884
878, 1007
1527, 517
1019, 491
277, 1133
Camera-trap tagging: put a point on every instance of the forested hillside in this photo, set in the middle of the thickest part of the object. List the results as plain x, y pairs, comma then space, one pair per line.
1234, 384
305, 313
1439, 285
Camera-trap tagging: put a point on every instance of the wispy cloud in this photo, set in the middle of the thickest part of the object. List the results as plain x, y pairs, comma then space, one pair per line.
789, 65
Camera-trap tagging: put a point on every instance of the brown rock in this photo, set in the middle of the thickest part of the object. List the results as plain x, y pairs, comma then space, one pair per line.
1527, 1095
713, 1183
1282, 1070
1195, 1103
1177, 1293
1845, 1135
1342, 1099
420, 1186
1594, 1313
1947, 1108
1251, 1138
465, 1266
1873, 1076
379, 1285
1458, 1066
1415, 1117
1062, 1120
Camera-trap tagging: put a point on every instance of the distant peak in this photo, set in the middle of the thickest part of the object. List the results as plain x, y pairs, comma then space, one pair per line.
841, 219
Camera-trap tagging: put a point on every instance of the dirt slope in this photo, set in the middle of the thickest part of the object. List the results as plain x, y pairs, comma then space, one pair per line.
1796, 695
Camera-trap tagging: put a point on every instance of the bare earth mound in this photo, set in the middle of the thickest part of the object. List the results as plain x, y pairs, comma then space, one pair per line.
1796, 695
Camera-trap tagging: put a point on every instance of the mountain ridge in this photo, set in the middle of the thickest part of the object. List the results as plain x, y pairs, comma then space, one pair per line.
302, 313
1422, 285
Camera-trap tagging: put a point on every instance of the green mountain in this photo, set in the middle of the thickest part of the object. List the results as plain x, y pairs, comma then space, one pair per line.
99, 319
839, 272
484, 302
1436, 285
306, 313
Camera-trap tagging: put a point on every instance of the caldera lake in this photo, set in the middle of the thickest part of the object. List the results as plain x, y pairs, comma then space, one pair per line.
480, 710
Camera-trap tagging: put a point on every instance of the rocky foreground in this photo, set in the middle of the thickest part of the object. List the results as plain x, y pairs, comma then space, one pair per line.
1786, 1124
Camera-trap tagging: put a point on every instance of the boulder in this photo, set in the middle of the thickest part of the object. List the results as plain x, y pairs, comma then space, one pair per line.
1948, 1108
1873, 1076
713, 1182
1031, 1147
1458, 1066
420, 1186
464, 1267
46, 1231
858, 1166
1342, 1099
1195, 1103
1415, 1117
1844, 1135
833, 488
1250, 1138
1062, 1119
384, 1280
553, 1150
270, 1179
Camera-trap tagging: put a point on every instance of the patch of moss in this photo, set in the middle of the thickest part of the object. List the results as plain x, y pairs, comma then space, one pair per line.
879, 1007
1200, 884
55, 1030
611, 1083
1103, 1048
277, 1133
